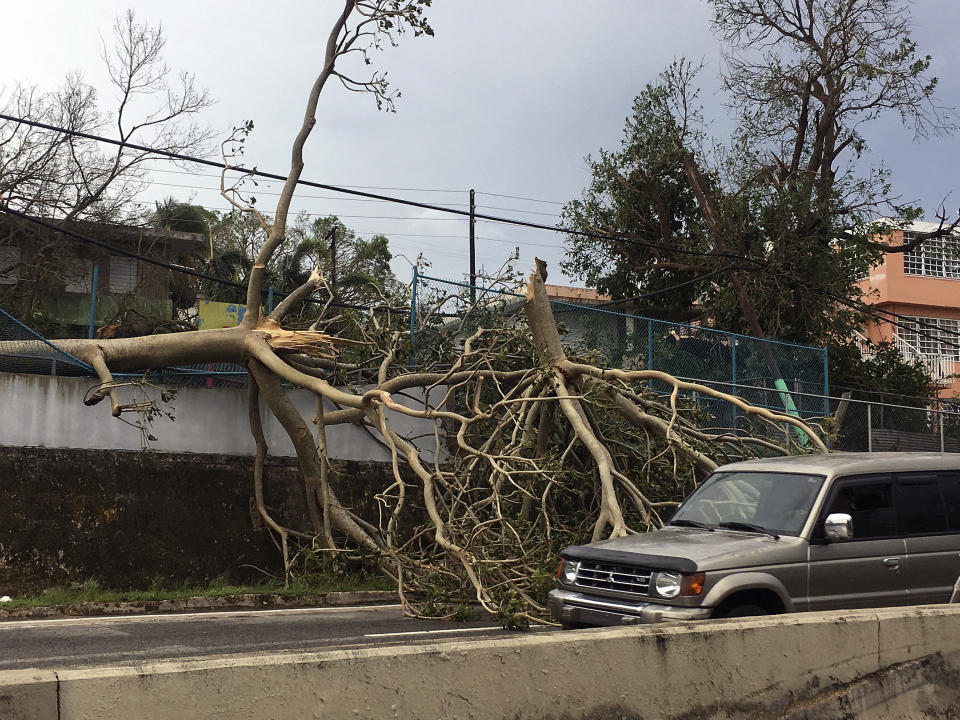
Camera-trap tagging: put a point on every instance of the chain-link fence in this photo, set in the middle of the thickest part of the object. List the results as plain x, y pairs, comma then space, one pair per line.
869, 426
766, 373
779, 376
859, 425
25, 351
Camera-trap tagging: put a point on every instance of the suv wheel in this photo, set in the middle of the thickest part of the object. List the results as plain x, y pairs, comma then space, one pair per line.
740, 610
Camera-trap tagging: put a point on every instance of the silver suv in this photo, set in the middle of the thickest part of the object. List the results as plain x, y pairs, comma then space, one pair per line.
809, 532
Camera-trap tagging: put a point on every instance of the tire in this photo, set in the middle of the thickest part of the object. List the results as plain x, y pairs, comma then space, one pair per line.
573, 626
740, 610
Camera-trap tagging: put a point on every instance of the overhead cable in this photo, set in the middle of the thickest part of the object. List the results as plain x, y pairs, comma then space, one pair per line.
361, 193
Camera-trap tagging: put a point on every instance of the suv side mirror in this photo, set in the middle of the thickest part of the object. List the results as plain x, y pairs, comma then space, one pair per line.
838, 526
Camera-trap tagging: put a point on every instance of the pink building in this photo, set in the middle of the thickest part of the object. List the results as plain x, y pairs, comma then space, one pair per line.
922, 286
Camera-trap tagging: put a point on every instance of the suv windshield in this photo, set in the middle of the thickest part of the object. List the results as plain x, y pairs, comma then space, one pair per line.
770, 502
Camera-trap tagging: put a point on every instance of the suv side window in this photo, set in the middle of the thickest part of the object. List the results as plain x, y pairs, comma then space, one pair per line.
920, 509
950, 487
869, 501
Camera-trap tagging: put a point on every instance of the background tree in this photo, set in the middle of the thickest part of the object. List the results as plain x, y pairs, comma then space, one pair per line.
781, 219
361, 275
66, 178
641, 193
58, 175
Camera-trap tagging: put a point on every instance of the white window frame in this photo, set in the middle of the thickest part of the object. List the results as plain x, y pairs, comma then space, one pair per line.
936, 257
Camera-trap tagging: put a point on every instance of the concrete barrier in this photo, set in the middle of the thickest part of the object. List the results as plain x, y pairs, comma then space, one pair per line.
50, 413
792, 665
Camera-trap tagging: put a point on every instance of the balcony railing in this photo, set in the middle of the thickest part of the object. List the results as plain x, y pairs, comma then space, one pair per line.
941, 368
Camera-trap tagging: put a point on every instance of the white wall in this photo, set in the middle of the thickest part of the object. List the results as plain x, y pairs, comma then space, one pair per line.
45, 411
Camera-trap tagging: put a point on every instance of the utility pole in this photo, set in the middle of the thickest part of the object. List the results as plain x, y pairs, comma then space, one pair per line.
333, 262
473, 248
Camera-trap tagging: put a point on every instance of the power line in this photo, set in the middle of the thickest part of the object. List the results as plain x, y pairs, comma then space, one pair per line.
386, 233
525, 212
517, 197
376, 196
329, 197
339, 199
270, 192
653, 293
358, 187
449, 191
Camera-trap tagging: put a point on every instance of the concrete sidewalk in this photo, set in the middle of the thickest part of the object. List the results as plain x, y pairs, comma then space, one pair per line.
259, 601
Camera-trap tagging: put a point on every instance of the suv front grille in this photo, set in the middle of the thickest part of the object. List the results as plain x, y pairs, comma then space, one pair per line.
606, 576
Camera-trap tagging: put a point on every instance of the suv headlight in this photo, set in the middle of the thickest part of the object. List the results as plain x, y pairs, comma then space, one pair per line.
568, 571
671, 584
667, 584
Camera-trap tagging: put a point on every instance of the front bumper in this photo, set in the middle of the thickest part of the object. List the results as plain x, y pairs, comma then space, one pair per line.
572, 608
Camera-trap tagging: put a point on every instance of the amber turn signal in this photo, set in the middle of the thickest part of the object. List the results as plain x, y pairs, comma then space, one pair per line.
692, 584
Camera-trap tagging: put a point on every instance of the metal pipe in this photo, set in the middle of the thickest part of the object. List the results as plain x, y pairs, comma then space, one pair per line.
733, 384
413, 307
650, 349
826, 383
93, 300
473, 248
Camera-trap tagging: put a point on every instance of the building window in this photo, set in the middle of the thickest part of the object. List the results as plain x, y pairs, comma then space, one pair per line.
9, 257
123, 274
79, 277
936, 257
936, 337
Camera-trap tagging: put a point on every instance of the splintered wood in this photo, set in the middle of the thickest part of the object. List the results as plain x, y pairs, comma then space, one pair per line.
307, 342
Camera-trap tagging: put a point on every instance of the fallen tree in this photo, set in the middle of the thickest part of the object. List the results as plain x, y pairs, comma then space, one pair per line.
531, 448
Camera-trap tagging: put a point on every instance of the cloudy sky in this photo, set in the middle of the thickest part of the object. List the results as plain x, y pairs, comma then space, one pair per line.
508, 98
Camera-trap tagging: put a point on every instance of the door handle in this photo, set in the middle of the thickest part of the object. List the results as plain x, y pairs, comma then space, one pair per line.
892, 562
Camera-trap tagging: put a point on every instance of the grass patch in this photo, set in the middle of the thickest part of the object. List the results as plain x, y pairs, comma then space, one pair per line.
91, 591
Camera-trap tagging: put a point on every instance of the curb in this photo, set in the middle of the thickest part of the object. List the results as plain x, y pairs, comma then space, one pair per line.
259, 601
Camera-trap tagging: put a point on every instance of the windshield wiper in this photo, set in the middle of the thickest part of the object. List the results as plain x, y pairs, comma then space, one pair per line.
748, 527
691, 523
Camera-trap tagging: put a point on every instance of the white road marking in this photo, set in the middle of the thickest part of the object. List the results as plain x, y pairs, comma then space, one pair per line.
20, 624
434, 632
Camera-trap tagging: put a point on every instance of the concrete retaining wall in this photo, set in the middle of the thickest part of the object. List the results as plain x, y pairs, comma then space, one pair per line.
50, 413
130, 519
715, 669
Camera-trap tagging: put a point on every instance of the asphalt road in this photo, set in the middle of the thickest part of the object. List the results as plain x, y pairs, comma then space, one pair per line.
81, 642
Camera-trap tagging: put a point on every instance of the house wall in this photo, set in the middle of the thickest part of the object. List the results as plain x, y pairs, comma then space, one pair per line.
58, 270
888, 288
893, 286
